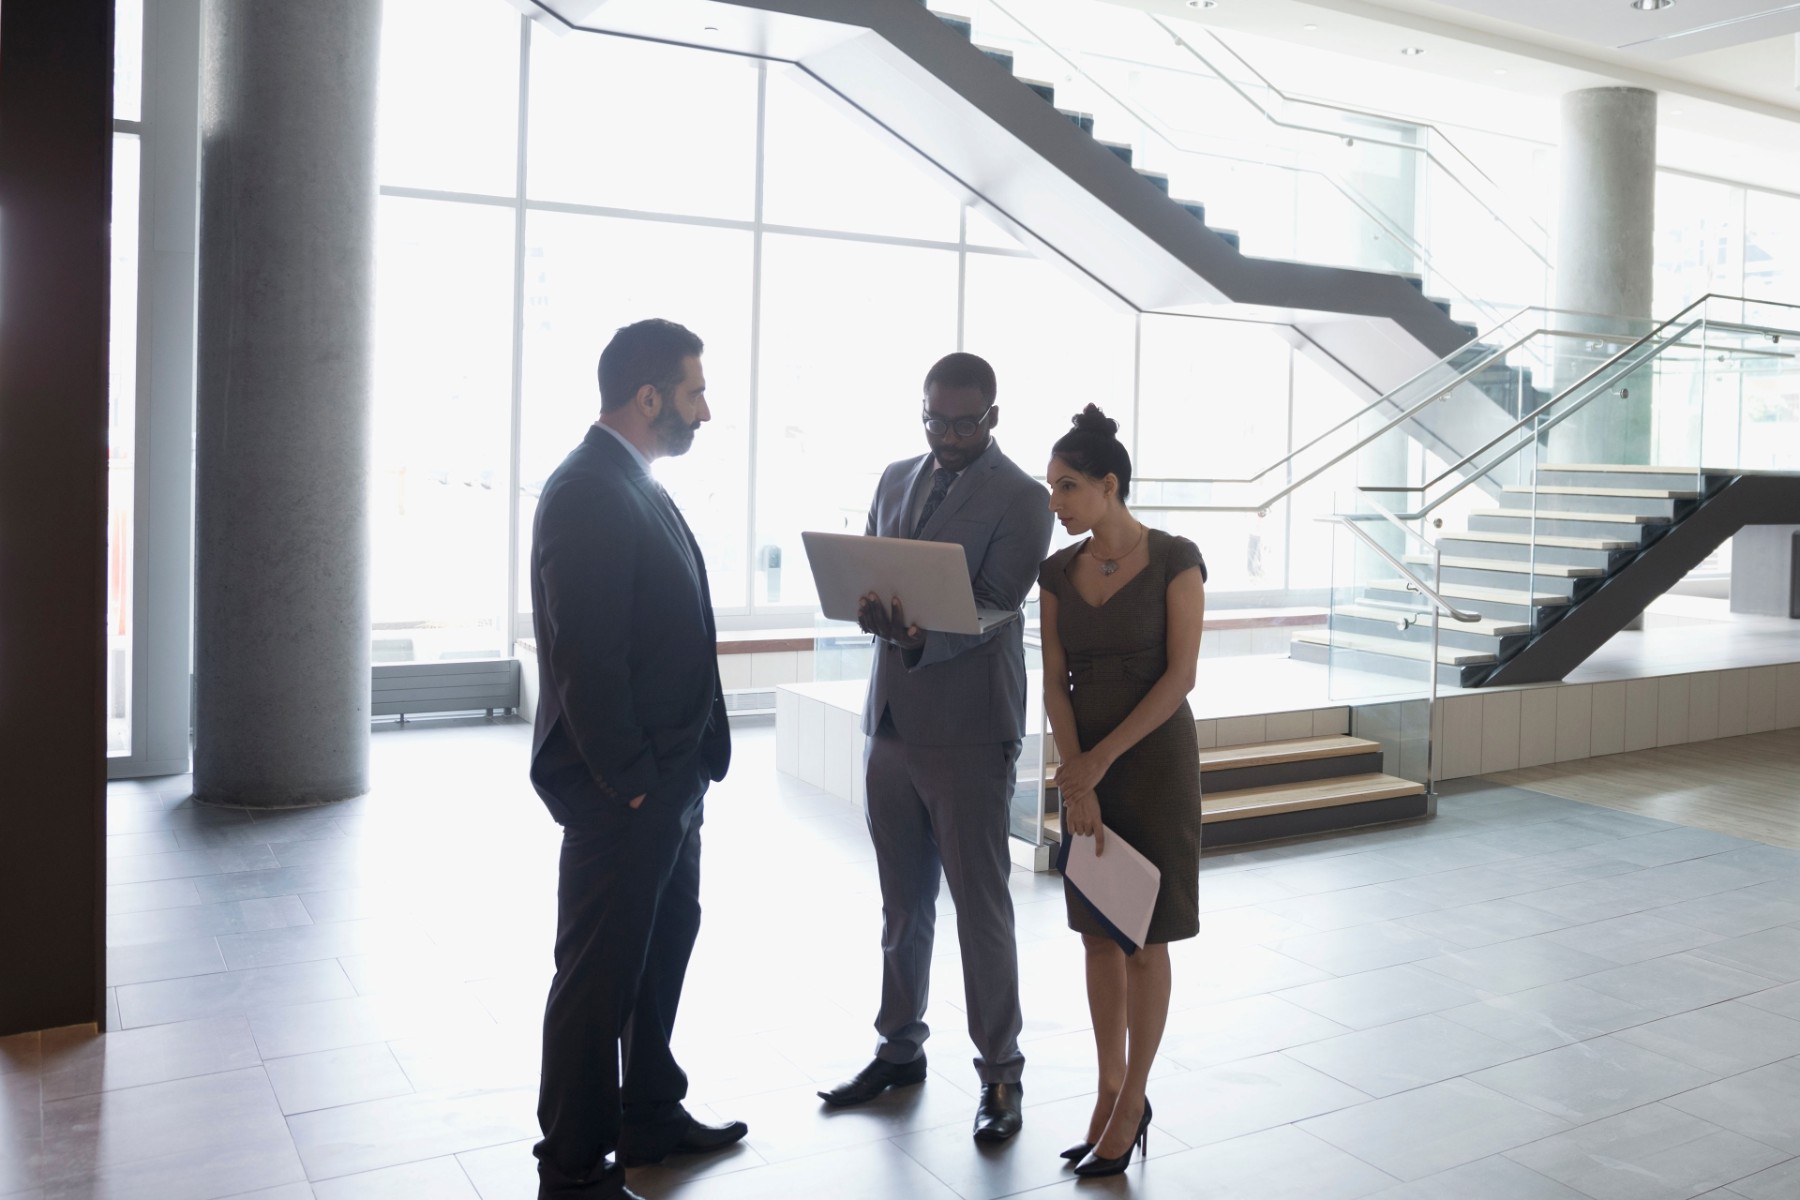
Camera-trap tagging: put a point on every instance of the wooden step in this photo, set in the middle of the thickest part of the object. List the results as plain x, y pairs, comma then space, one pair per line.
1469, 591
1294, 797
1448, 656
1618, 468
1525, 539
1515, 566
1488, 626
1623, 493
1551, 514
1264, 754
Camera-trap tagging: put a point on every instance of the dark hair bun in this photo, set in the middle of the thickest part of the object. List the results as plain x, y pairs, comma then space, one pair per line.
1092, 420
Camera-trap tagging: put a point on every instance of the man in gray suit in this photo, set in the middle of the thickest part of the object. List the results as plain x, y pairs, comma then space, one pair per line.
945, 716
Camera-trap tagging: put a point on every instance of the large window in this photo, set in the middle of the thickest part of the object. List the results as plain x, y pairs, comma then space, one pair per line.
121, 444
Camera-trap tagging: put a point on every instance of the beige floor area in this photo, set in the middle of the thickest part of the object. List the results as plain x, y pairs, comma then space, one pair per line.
1746, 787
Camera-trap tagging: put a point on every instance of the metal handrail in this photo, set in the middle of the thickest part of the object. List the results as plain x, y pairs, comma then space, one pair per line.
1394, 423
1528, 419
1425, 125
1349, 521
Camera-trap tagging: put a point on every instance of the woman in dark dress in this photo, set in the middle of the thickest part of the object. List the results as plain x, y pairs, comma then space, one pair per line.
1122, 613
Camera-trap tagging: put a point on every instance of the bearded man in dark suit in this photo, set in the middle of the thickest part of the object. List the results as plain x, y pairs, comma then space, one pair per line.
631, 728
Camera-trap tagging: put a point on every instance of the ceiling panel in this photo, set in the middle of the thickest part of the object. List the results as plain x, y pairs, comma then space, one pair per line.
1688, 27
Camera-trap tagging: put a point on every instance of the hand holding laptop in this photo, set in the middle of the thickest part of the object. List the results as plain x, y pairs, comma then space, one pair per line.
890, 624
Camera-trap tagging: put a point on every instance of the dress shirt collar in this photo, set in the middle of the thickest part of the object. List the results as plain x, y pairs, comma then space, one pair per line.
636, 454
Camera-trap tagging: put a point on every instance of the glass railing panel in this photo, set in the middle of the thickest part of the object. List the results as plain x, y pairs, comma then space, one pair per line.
1378, 629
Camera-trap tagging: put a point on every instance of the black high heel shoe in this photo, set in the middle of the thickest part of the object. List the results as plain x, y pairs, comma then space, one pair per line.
1078, 1151
1091, 1166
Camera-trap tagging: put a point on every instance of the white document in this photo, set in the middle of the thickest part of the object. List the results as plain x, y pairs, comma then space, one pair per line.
1120, 882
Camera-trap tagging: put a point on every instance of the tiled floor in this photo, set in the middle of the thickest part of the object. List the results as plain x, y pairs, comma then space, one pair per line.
1525, 998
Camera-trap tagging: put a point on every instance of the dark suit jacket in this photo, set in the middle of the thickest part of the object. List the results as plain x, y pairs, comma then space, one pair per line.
963, 689
627, 653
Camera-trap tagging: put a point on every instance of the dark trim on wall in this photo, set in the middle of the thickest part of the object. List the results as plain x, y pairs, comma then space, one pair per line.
56, 130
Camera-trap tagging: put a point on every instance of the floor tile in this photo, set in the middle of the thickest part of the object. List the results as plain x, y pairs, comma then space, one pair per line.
328, 1078
1404, 1055
1493, 1178
79, 1063
1733, 913
433, 1179
875, 1170
1362, 948
1632, 938
1381, 997
1650, 1153
1725, 1039
1276, 1164
230, 993
1238, 1029
1676, 983
1592, 1079
1432, 1129
1483, 924
352, 1139
504, 1172
150, 961
1215, 1104
1515, 966
1774, 953
1780, 1182
1759, 1104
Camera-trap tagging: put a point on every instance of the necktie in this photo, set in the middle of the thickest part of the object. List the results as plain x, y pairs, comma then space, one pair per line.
941, 479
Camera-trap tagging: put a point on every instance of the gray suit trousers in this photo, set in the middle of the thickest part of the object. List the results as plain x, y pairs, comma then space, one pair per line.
943, 810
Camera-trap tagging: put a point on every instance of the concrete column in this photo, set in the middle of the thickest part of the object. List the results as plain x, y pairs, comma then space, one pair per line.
287, 231
1606, 209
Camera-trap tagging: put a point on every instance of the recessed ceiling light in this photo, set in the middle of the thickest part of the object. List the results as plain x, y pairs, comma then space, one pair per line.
1499, 70
1412, 51
1652, 5
1309, 28
1203, 3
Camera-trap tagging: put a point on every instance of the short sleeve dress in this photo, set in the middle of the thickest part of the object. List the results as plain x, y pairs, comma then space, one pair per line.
1151, 797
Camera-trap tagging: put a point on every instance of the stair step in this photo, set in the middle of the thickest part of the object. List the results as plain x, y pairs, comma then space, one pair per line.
1003, 57
1264, 754
1619, 468
1513, 566
1548, 514
1525, 539
1487, 626
1469, 591
1268, 754
1120, 149
964, 26
1230, 238
1448, 656
1195, 209
1045, 91
1156, 180
1442, 306
1618, 493
1294, 797
1082, 121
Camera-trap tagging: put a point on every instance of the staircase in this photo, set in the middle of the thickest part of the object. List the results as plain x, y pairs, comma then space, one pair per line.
1261, 791
1598, 540
1039, 172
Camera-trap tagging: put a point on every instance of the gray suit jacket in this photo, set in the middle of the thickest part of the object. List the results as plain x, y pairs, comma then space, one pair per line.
963, 689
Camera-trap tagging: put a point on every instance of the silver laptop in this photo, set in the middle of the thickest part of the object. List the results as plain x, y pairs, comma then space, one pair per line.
930, 578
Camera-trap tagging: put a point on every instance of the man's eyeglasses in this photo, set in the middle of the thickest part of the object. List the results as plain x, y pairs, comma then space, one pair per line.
964, 427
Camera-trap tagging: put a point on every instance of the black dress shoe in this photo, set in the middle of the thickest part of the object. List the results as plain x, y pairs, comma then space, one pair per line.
695, 1138
998, 1116
1077, 1152
874, 1079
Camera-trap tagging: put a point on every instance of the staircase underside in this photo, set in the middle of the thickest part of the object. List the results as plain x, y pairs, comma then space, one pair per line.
1059, 190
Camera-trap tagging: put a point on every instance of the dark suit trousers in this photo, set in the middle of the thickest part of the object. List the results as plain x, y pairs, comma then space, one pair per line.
628, 911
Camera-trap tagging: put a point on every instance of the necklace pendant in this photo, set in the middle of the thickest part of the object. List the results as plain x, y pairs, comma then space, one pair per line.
1108, 566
